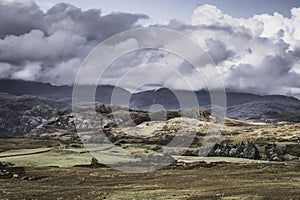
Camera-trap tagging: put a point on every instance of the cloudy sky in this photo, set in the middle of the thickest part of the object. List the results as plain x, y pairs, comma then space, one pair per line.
255, 45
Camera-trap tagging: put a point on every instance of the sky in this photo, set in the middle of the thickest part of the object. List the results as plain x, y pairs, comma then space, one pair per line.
165, 10
255, 49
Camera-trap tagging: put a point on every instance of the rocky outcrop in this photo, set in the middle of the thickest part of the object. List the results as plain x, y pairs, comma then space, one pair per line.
241, 150
270, 152
21, 114
273, 152
7, 171
111, 119
129, 127
60, 126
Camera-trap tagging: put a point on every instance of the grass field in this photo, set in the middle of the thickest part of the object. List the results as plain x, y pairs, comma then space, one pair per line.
50, 158
49, 173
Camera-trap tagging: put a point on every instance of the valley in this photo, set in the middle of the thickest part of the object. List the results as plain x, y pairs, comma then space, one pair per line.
68, 173
46, 147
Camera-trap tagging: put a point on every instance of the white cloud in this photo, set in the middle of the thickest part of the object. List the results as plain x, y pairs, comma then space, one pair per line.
30, 72
264, 48
260, 54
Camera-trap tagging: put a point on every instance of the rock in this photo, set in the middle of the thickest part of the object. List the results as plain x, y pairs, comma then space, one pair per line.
25, 178
288, 157
15, 176
4, 165
273, 153
95, 163
7, 172
4, 174
240, 150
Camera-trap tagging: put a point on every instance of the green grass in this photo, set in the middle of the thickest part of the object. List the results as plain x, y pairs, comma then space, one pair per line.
65, 157
237, 179
146, 147
15, 144
51, 158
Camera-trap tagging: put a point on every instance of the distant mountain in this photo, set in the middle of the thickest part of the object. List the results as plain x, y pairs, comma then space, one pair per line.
268, 108
239, 105
168, 98
60, 93
142, 100
19, 87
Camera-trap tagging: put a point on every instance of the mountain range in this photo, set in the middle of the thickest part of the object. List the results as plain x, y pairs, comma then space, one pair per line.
25, 105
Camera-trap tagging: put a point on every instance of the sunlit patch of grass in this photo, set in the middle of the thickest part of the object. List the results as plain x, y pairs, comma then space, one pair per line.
51, 158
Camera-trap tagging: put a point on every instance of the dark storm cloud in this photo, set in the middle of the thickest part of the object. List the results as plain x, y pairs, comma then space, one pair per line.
17, 18
50, 46
273, 75
89, 24
218, 50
